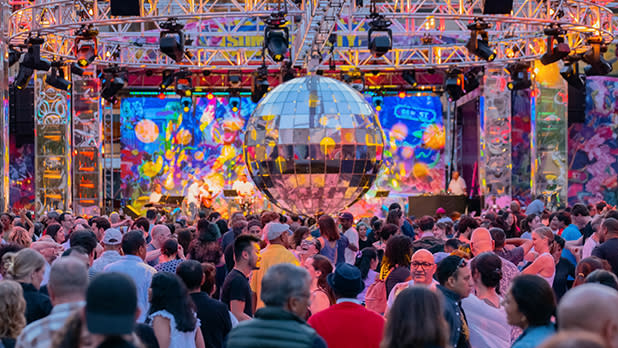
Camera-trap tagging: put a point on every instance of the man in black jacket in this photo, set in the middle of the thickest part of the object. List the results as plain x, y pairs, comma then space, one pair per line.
214, 316
285, 292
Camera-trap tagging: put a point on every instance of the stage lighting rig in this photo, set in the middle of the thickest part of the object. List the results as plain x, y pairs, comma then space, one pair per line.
112, 80
276, 36
260, 84
557, 49
410, 77
380, 36
472, 79
23, 77
378, 100
234, 101
14, 55
570, 73
86, 45
480, 46
184, 83
167, 79
56, 77
520, 76
454, 84
172, 39
77, 70
355, 79
32, 59
594, 57
186, 103
235, 81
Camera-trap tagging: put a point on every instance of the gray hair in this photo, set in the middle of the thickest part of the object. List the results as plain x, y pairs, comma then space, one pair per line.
114, 218
159, 230
68, 276
282, 282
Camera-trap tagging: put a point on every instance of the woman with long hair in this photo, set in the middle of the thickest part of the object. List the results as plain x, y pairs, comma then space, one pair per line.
544, 264
416, 320
364, 240
530, 304
322, 297
396, 262
12, 307
20, 236
367, 262
27, 267
169, 259
329, 238
383, 235
54, 233
206, 249
484, 311
529, 224
172, 313
587, 266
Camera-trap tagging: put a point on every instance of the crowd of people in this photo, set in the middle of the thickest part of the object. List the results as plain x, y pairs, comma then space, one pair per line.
507, 278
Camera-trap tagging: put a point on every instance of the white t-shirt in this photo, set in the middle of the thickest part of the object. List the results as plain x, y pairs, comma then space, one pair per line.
488, 325
457, 186
589, 244
352, 236
193, 193
243, 188
155, 197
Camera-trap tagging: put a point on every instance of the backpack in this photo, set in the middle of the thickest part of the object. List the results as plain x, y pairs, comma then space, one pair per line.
376, 296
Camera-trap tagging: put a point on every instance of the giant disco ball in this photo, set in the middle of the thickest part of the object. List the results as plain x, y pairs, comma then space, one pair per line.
313, 145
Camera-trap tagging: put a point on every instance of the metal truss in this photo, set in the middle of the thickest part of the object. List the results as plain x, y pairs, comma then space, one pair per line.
228, 34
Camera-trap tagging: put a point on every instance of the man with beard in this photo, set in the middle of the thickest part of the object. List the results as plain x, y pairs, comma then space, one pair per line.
422, 268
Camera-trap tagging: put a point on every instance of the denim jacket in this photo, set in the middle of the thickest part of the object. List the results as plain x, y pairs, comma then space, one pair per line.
533, 336
452, 310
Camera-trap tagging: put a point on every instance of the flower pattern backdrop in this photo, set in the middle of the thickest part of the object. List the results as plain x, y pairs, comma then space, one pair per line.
593, 146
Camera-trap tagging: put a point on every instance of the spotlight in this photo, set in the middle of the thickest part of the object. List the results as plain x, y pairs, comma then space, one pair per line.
260, 84
234, 102
210, 96
172, 39
235, 81
454, 84
378, 100
77, 70
570, 74
186, 103
380, 36
86, 45
471, 80
112, 83
557, 49
167, 79
355, 79
598, 64
14, 56
56, 79
410, 77
32, 58
520, 76
276, 36
480, 46
402, 94
23, 77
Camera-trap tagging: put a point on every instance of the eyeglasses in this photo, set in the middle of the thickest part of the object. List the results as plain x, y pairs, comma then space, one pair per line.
421, 264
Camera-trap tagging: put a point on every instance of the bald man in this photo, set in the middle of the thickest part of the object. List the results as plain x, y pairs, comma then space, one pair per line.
480, 242
159, 233
422, 268
591, 307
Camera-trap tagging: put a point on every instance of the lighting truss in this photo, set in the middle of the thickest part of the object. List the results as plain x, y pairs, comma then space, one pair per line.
229, 35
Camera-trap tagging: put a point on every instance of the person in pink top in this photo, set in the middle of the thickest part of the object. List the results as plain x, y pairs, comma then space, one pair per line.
347, 323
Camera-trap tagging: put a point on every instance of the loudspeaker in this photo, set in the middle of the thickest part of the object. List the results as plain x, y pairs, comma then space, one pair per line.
21, 115
577, 105
124, 7
498, 7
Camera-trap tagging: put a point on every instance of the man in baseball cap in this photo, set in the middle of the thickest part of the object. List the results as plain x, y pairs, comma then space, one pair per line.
112, 243
275, 253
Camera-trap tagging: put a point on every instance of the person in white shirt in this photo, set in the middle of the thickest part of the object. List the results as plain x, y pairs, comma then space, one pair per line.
422, 269
242, 186
457, 186
156, 195
347, 226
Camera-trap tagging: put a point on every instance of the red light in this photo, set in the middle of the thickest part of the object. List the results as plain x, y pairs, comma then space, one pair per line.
402, 94
161, 95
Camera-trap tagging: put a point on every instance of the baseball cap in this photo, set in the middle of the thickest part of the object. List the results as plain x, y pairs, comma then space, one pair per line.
275, 229
111, 304
112, 236
346, 216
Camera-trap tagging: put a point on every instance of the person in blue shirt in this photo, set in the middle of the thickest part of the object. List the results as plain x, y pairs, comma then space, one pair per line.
529, 304
569, 232
395, 216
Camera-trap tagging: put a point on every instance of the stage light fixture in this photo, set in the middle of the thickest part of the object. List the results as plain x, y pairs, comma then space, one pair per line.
14, 56
478, 42
210, 96
355, 79
557, 49
234, 101
186, 103
260, 84
471, 80
32, 59
86, 45
172, 39
378, 100
410, 77
112, 83
570, 73
594, 57
520, 76
380, 36
276, 36
235, 81
56, 78
184, 83
77, 70
167, 79
23, 77
454, 84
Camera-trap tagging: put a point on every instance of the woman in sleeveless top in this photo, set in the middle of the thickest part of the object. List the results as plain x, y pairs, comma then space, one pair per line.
172, 313
328, 237
543, 265
321, 295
